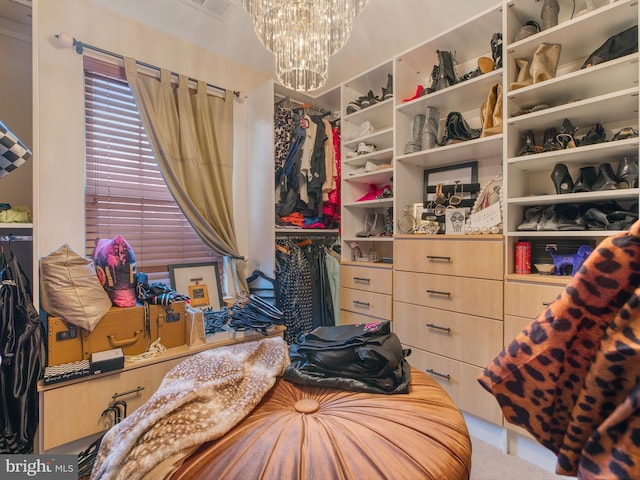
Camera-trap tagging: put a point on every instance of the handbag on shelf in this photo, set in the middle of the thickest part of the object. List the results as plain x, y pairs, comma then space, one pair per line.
616, 46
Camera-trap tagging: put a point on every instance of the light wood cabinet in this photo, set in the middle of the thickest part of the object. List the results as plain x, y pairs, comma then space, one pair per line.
365, 292
70, 411
452, 323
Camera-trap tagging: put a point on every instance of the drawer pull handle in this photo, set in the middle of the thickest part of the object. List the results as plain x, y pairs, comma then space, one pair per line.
433, 258
361, 280
437, 292
437, 327
135, 390
358, 303
443, 375
126, 342
546, 304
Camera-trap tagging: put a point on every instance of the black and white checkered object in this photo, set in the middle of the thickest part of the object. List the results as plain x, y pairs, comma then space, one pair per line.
66, 371
13, 152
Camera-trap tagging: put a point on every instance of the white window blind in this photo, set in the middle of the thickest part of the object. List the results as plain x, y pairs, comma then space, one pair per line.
124, 192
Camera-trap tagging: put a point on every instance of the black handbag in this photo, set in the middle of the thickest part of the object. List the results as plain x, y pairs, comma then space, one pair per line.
361, 357
616, 46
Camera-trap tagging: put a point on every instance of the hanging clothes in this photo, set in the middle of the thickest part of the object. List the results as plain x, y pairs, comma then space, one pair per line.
303, 286
22, 354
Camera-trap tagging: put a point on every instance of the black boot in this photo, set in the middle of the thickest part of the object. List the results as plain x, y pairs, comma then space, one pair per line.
447, 76
387, 92
496, 50
606, 179
585, 179
529, 144
550, 143
435, 74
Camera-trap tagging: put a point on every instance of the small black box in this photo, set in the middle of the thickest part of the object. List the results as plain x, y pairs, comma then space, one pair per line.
107, 361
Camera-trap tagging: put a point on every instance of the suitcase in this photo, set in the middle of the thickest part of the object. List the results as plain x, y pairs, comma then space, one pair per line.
128, 328
124, 328
64, 342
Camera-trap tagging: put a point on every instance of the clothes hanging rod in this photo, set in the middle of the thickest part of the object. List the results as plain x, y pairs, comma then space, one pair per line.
67, 40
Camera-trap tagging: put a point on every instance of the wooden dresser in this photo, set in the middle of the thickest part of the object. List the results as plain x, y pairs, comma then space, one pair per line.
365, 292
448, 308
70, 411
525, 296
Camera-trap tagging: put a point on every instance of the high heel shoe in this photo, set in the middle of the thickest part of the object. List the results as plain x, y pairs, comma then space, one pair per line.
529, 147
627, 175
585, 179
416, 95
387, 92
565, 137
606, 179
561, 179
550, 143
597, 134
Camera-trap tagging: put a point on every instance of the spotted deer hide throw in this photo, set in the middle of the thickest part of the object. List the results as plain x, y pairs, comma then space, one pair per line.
199, 400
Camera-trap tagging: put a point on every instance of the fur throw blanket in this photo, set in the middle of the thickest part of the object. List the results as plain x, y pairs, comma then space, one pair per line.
200, 399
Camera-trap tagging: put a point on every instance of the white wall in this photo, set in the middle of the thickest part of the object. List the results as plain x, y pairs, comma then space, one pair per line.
59, 107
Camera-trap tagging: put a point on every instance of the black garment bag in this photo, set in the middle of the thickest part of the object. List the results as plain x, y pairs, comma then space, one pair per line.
23, 357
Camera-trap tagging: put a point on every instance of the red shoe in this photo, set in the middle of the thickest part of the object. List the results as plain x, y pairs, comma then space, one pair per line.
418, 94
372, 194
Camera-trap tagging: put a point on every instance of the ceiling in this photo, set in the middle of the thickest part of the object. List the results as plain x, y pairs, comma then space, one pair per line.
385, 28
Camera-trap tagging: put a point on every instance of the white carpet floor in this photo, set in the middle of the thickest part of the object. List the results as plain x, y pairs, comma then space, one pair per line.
490, 463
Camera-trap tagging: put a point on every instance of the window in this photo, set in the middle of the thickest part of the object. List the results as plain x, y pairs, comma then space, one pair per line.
124, 190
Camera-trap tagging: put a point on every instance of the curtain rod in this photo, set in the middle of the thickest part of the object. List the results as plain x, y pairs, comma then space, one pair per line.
66, 40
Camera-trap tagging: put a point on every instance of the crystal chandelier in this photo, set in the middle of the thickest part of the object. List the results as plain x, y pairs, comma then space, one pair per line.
302, 34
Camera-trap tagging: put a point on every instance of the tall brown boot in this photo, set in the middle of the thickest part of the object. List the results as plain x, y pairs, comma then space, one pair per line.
491, 112
545, 62
524, 77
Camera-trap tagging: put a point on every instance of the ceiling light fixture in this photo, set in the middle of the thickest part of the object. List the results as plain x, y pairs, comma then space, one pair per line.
302, 34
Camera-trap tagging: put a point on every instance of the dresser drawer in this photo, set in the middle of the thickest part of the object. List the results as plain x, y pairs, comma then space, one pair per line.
370, 279
349, 318
513, 326
74, 411
365, 303
528, 299
465, 258
460, 382
447, 333
473, 296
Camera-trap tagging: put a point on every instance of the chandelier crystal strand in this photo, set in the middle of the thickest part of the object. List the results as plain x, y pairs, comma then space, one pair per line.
302, 34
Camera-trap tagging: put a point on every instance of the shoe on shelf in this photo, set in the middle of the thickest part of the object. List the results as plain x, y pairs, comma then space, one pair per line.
606, 179
550, 143
365, 148
418, 93
378, 227
627, 176
529, 147
387, 92
369, 220
532, 216
561, 179
368, 167
597, 134
354, 106
585, 179
624, 133
372, 194
565, 137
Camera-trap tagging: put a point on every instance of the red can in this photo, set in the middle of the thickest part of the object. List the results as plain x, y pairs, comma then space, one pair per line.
523, 257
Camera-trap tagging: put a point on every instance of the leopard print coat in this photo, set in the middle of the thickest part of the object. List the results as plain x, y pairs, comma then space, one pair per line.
572, 376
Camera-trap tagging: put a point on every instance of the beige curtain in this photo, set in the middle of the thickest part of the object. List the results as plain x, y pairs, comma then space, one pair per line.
192, 138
